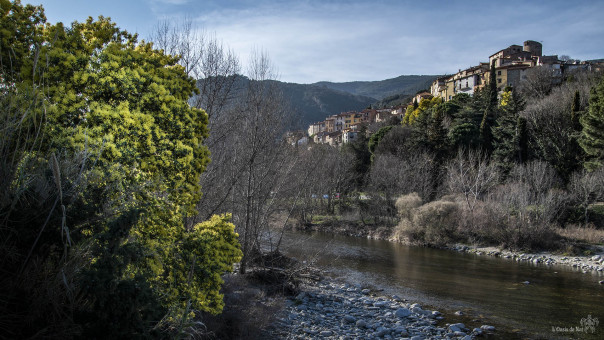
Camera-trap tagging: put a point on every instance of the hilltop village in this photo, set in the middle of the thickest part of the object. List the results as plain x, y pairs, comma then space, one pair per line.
511, 65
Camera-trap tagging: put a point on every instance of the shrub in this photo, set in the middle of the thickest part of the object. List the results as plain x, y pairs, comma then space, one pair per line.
406, 203
434, 224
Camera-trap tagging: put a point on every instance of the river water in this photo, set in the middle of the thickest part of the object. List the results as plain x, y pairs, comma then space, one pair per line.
486, 289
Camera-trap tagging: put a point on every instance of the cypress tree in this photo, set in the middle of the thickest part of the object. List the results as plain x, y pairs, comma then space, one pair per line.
592, 136
439, 144
486, 137
506, 139
575, 111
522, 139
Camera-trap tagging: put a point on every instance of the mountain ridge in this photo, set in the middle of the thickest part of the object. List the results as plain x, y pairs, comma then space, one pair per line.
315, 102
380, 89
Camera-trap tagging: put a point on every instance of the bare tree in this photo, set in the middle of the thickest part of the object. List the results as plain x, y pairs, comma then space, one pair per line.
257, 154
551, 129
538, 83
538, 176
246, 118
587, 188
471, 175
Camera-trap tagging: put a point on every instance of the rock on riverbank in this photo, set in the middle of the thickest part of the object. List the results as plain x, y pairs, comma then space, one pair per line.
585, 264
328, 310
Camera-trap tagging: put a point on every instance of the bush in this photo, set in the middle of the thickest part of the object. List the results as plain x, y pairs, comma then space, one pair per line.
405, 204
434, 224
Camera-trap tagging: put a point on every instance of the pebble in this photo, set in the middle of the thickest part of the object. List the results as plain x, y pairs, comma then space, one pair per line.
583, 264
457, 327
350, 319
329, 311
488, 328
402, 312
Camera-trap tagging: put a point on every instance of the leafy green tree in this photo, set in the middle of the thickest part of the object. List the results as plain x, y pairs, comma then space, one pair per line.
126, 153
592, 137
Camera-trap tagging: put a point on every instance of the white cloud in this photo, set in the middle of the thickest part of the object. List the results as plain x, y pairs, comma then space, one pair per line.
311, 41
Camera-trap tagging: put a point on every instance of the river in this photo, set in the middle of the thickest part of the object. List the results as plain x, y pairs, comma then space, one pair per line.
552, 304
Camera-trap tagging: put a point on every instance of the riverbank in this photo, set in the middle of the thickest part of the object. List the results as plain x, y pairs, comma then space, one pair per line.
331, 310
584, 264
591, 262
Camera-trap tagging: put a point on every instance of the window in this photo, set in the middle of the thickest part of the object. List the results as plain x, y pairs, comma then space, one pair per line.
499, 81
498, 73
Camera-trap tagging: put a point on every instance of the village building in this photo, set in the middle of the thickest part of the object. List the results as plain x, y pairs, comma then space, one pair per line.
349, 136
315, 128
471, 79
333, 138
418, 97
515, 53
330, 124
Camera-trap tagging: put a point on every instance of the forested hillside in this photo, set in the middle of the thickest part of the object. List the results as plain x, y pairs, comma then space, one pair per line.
308, 103
383, 88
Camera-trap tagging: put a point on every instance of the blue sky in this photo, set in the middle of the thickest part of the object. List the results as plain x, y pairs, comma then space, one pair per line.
338, 40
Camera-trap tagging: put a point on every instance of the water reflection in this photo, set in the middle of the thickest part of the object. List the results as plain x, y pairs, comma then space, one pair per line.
480, 285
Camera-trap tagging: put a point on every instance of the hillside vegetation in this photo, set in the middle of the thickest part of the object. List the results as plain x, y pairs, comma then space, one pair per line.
409, 84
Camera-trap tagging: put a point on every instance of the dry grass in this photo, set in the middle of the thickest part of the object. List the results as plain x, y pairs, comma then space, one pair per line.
588, 234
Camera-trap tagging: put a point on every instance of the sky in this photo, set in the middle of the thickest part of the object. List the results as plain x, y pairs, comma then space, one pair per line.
363, 40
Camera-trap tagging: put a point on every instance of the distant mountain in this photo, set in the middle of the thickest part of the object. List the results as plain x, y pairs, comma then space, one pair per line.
315, 102
383, 88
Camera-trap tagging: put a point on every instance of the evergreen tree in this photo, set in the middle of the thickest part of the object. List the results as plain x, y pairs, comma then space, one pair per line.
592, 137
522, 139
362, 157
575, 111
486, 137
506, 132
464, 131
437, 134
439, 145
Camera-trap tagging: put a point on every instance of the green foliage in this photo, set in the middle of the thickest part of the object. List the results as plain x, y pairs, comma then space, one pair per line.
101, 162
361, 157
575, 111
415, 110
506, 133
375, 138
20, 28
592, 138
464, 131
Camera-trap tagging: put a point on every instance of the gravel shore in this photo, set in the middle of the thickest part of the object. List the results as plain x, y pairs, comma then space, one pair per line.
329, 310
